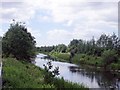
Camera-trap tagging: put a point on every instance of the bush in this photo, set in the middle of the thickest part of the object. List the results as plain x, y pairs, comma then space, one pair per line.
115, 66
50, 75
109, 56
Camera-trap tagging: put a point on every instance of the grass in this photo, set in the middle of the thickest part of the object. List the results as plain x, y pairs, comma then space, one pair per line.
60, 56
20, 74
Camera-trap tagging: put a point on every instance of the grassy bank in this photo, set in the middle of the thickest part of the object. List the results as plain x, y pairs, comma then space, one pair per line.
60, 56
85, 59
19, 74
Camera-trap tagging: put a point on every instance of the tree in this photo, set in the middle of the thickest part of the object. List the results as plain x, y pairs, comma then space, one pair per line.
61, 48
18, 42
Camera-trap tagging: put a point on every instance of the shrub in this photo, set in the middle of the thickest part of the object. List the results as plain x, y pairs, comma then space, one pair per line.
49, 75
109, 56
115, 66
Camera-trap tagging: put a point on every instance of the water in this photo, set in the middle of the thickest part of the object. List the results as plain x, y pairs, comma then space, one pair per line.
85, 76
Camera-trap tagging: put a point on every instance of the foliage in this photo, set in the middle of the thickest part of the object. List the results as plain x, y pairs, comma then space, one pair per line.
87, 59
64, 56
18, 74
90, 47
109, 56
45, 49
18, 42
61, 48
58, 48
50, 75
115, 66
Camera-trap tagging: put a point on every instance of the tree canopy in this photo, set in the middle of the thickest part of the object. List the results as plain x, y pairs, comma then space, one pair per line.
18, 42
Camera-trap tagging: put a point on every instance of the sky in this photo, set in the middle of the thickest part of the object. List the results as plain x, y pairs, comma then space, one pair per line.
54, 22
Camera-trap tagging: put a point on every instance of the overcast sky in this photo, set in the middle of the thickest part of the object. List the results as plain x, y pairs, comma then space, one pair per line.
53, 22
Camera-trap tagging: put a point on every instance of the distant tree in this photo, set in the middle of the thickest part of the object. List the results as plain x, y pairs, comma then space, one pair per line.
45, 48
74, 42
18, 42
61, 48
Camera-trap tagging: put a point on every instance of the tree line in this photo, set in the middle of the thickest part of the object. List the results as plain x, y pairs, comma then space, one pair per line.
91, 47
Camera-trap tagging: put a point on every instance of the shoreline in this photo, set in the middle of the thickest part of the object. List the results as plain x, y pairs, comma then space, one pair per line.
98, 68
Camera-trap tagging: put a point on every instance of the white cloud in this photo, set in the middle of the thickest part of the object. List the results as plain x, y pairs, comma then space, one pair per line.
58, 36
60, 10
21, 11
87, 17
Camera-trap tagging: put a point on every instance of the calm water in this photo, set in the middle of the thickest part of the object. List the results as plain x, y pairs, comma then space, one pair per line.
85, 76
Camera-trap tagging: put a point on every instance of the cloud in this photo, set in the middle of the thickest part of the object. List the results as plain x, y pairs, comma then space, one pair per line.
60, 10
86, 18
57, 36
20, 11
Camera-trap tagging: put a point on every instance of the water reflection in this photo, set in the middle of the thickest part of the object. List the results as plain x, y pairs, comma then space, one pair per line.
89, 77
105, 79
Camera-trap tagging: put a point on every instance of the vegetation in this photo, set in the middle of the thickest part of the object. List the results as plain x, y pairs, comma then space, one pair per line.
50, 75
62, 56
21, 74
18, 43
108, 57
104, 52
18, 74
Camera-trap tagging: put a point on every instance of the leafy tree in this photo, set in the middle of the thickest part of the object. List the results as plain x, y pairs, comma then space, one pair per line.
74, 42
18, 42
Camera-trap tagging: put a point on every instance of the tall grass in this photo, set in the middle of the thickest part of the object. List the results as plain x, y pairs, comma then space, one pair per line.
18, 74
